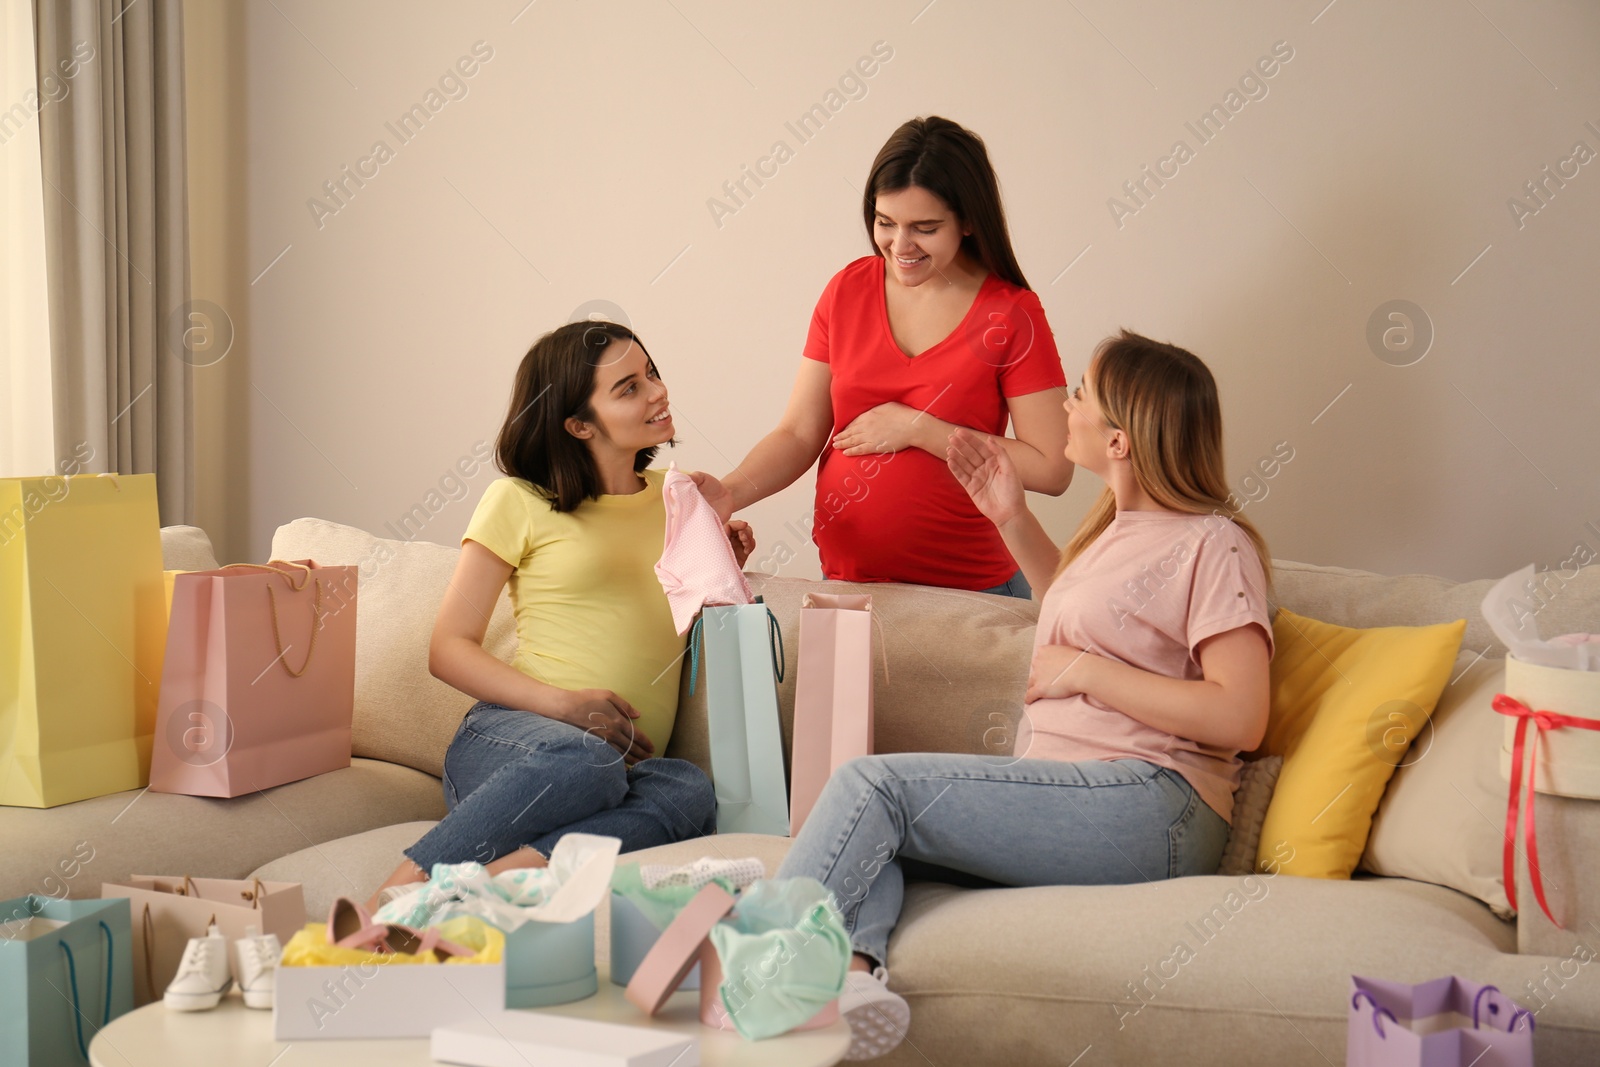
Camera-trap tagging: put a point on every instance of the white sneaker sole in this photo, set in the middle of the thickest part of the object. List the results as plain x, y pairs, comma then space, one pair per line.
258, 998
192, 1001
877, 1027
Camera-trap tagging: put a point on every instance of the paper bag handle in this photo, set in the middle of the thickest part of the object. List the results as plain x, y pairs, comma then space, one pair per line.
1378, 1011
147, 926
774, 642
1511, 1024
850, 602
72, 978
272, 599
254, 893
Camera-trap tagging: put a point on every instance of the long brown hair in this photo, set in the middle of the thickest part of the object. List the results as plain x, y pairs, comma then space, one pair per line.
1165, 399
554, 383
951, 163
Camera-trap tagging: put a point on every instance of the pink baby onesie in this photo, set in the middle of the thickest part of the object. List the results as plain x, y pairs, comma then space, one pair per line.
697, 564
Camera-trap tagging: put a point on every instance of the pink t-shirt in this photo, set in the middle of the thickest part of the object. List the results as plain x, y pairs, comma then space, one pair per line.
1147, 591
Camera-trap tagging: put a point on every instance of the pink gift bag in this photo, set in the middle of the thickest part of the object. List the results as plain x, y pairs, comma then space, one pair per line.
258, 686
832, 695
1448, 1022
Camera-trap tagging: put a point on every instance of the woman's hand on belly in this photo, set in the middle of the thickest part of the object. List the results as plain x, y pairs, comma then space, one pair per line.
890, 428
604, 715
1057, 671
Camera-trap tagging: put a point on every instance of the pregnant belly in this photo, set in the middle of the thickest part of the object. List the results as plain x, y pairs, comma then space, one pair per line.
902, 517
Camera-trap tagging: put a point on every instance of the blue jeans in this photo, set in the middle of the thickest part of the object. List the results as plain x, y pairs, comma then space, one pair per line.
514, 778
1010, 822
1016, 586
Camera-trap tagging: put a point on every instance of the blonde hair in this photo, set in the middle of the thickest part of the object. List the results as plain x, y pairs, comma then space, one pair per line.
1165, 400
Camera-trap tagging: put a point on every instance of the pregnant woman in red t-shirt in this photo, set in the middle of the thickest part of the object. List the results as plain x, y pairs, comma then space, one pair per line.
936, 330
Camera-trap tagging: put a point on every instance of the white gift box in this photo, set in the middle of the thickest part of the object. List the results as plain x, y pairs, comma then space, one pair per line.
1569, 759
520, 1038
377, 1001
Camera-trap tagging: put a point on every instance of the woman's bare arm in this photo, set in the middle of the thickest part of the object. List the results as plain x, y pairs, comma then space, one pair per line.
779, 459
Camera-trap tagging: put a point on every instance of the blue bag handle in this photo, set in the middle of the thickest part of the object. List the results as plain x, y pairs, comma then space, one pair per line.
72, 978
774, 641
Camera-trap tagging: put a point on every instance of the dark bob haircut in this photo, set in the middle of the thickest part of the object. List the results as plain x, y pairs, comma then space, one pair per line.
554, 384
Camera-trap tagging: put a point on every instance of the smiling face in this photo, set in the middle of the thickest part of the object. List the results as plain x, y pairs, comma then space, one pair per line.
629, 402
918, 234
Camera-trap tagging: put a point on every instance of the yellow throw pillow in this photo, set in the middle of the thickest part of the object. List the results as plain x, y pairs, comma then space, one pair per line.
1345, 705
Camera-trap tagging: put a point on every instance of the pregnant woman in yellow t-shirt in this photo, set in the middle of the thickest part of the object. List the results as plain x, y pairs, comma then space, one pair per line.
568, 736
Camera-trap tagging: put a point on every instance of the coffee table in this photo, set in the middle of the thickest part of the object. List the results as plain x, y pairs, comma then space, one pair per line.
232, 1033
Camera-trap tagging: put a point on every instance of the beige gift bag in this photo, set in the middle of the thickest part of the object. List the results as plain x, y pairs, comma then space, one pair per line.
167, 912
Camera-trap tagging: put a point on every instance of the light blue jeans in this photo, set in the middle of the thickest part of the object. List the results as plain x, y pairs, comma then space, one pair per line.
1008, 822
1016, 586
514, 778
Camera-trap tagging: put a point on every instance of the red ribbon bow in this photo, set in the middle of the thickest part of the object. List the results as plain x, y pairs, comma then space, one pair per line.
1544, 720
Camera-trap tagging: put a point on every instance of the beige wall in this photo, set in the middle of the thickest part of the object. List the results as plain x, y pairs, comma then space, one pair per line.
376, 353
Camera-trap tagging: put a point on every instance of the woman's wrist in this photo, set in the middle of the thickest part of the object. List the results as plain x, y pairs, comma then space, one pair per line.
1018, 525
552, 701
931, 434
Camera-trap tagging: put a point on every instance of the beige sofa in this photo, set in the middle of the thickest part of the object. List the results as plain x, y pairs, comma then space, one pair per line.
1065, 975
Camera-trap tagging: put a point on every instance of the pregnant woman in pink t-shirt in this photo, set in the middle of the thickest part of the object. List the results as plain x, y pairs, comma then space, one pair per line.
1149, 677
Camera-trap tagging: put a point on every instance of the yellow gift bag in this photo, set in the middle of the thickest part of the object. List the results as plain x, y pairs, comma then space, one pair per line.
82, 635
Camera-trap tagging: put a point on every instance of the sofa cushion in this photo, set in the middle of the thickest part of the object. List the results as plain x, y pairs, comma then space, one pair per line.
1567, 602
1257, 781
352, 866
143, 832
403, 714
1345, 705
1443, 816
186, 548
1252, 970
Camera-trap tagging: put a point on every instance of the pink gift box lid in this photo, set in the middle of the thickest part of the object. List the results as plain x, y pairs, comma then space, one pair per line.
677, 950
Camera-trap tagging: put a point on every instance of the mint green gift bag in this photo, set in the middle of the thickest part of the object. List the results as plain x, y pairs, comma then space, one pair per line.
744, 663
66, 970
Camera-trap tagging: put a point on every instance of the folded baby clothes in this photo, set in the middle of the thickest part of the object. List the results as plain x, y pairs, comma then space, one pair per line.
697, 565
736, 873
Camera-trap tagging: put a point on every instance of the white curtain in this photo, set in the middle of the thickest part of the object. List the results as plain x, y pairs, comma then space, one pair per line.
27, 429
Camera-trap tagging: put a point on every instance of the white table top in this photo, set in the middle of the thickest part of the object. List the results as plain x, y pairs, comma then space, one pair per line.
234, 1034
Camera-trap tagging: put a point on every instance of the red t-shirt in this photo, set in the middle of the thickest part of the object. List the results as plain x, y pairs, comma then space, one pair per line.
903, 517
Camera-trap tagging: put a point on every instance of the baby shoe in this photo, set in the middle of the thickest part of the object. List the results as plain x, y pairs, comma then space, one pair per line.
349, 926
425, 942
878, 1018
258, 963
202, 975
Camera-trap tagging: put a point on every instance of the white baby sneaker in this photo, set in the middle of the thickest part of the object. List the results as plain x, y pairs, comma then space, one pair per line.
258, 964
202, 975
878, 1018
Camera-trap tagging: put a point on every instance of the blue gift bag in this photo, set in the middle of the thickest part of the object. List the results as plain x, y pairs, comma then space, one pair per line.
66, 970
744, 662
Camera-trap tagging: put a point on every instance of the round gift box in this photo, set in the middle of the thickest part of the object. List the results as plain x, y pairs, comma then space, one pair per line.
632, 938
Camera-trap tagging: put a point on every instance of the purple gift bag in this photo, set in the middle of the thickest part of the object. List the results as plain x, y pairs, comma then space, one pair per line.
1448, 1022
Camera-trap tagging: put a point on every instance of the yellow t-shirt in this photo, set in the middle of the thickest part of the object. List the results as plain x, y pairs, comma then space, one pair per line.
591, 613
